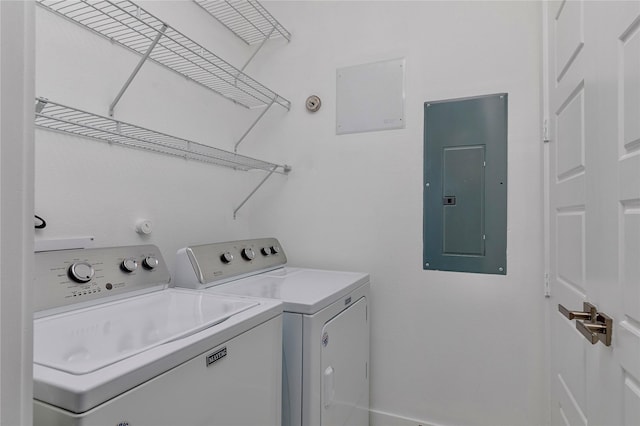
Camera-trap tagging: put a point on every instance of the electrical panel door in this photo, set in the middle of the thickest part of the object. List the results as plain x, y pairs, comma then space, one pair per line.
465, 185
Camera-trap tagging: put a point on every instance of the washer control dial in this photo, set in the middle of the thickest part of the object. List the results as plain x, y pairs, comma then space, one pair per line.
275, 249
266, 251
150, 262
81, 272
248, 253
129, 264
226, 257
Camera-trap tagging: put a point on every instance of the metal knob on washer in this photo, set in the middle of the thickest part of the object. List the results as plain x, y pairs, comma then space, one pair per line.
81, 272
248, 253
226, 257
150, 262
129, 264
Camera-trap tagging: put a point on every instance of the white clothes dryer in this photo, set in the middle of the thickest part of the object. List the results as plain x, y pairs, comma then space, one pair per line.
325, 324
114, 346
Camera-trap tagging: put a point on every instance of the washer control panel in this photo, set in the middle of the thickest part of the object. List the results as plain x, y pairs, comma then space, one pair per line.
199, 266
65, 277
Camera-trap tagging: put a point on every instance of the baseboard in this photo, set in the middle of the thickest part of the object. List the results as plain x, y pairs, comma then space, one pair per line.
380, 418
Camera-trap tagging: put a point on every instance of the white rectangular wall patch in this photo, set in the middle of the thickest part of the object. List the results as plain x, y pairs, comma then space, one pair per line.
370, 97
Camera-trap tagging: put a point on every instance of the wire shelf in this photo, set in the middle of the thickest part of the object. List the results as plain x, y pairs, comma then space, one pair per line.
54, 116
131, 26
247, 19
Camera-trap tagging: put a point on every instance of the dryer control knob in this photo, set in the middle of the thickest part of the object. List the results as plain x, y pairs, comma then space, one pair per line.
81, 272
226, 257
275, 249
266, 251
248, 253
150, 262
129, 264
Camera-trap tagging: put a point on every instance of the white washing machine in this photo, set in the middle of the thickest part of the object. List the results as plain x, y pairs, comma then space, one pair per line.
114, 346
326, 324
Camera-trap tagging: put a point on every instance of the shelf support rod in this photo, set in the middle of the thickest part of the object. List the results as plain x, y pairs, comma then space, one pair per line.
254, 191
136, 69
235, 148
255, 52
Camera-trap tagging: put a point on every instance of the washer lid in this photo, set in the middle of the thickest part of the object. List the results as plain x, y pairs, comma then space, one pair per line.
86, 340
304, 291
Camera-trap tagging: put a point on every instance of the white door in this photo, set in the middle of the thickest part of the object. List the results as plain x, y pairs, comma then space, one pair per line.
345, 364
594, 207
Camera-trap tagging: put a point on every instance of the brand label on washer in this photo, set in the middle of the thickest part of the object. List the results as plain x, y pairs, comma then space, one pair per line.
216, 356
325, 339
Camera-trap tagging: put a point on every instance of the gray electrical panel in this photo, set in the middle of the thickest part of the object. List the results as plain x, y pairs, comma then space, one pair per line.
465, 185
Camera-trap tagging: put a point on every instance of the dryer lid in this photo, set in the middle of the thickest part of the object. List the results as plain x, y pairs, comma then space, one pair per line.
86, 340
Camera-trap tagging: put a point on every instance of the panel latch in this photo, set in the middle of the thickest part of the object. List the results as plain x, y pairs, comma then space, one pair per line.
449, 200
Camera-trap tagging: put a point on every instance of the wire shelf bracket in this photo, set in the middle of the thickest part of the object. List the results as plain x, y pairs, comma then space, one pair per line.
237, 209
60, 118
255, 52
136, 69
129, 25
235, 148
247, 19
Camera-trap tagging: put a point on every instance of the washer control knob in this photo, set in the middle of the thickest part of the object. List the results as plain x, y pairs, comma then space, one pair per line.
81, 272
275, 249
266, 251
248, 253
150, 262
129, 264
226, 257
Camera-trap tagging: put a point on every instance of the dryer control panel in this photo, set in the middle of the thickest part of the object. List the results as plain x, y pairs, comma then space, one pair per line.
211, 264
68, 277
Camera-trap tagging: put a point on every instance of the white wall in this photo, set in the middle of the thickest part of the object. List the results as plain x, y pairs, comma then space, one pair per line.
447, 348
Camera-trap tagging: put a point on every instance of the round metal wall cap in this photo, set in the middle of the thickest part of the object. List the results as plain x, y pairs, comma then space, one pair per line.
313, 103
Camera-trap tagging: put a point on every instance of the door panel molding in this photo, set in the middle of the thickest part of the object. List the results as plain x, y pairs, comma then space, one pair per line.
631, 401
570, 143
569, 409
569, 27
629, 87
570, 256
